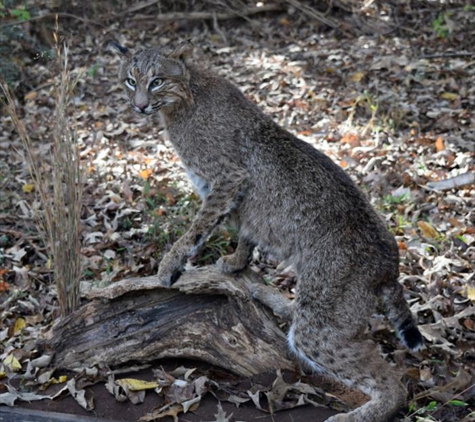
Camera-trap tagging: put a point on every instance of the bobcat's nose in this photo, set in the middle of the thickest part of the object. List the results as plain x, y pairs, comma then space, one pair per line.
141, 106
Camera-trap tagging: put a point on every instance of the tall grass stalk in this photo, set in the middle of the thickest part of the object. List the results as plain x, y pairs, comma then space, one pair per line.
60, 189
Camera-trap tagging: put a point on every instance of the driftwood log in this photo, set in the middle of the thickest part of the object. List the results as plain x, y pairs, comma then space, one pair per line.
206, 315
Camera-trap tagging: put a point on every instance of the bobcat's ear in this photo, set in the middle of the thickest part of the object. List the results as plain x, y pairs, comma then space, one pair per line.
183, 51
120, 48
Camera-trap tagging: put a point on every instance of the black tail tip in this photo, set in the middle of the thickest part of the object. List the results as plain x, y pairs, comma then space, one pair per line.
412, 338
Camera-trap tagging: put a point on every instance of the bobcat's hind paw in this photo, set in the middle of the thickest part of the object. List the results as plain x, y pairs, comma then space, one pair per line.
341, 417
231, 264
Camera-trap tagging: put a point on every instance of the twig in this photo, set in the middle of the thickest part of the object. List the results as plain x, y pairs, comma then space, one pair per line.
447, 55
454, 182
211, 15
49, 16
315, 14
136, 8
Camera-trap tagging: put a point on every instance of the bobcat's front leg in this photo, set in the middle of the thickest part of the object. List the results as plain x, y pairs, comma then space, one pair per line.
217, 204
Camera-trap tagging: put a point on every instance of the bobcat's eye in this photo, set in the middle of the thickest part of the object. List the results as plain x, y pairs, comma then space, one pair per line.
130, 83
156, 83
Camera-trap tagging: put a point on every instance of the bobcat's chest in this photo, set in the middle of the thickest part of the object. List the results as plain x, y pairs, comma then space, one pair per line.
201, 185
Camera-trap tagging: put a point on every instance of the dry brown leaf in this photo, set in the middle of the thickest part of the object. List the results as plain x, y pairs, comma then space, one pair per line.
357, 76
439, 144
31, 95
428, 230
145, 174
172, 411
351, 138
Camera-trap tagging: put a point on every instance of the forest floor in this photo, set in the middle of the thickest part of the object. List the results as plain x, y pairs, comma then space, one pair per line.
396, 111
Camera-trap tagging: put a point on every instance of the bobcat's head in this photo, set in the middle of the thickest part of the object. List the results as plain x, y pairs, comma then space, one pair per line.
156, 78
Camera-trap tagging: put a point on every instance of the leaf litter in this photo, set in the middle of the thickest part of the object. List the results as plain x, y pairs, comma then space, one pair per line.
402, 124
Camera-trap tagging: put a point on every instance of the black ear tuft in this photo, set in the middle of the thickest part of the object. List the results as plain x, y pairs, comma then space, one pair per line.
120, 48
182, 51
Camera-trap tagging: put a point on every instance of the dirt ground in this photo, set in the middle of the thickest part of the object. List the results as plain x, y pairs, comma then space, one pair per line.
108, 408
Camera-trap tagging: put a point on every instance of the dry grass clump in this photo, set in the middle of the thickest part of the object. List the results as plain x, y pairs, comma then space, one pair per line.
59, 187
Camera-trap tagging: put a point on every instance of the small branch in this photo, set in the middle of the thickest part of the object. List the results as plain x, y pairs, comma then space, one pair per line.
315, 14
136, 8
453, 183
209, 15
447, 55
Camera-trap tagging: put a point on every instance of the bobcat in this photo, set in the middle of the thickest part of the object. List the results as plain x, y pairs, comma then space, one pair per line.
289, 198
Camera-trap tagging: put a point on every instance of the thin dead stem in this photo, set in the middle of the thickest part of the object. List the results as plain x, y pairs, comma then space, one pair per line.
60, 189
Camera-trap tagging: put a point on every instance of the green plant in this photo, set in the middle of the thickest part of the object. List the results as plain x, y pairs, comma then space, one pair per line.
440, 24
390, 200
93, 69
221, 243
367, 100
169, 215
21, 13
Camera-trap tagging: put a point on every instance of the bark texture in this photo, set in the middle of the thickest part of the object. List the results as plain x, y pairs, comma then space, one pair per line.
206, 315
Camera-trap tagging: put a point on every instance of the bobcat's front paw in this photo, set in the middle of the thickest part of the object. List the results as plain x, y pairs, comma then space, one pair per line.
169, 271
232, 263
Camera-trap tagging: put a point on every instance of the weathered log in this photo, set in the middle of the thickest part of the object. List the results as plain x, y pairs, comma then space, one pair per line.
206, 315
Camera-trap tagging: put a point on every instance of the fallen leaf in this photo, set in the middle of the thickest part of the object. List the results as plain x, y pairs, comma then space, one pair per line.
357, 77
28, 188
8, 399
12, 363
285, 22
173, 411
129, 195
136, 384
402, 245
192, 404
20, 323
31, 95
145, 174
80, 395
428, 230
470, 293
221, 415
451, 96
350, 138
439, 144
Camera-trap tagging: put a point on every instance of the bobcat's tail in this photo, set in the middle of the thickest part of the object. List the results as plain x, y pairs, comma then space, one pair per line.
400, 315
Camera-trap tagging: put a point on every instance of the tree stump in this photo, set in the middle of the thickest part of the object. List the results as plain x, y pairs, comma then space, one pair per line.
206, 315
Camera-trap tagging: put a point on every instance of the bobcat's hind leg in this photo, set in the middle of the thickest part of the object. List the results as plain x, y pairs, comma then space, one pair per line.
239, 259
354, 362
273, 299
